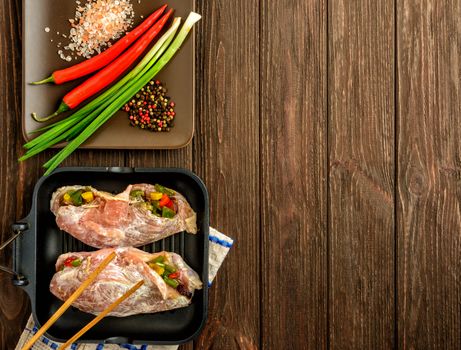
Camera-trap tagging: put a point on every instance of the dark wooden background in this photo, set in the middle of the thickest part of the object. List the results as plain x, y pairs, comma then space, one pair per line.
328, 133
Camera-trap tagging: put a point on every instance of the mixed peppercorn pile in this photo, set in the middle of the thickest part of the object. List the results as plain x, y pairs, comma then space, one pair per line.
151, 109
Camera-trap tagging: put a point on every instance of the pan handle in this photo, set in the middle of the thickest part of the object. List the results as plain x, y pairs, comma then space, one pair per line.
18, 278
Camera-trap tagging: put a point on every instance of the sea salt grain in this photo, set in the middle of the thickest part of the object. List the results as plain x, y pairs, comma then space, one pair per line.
97, 22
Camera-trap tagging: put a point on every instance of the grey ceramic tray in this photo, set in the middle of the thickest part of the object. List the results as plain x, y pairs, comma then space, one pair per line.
40, 59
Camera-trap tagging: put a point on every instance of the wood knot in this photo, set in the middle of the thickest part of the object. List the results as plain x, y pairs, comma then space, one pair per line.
417, 183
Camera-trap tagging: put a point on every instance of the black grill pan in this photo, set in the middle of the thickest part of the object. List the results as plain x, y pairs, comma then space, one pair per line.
41, 242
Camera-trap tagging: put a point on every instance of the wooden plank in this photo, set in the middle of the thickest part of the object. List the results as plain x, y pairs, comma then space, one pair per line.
14, 304
361, 157
429, 174
293, 174
226, 156
181, 158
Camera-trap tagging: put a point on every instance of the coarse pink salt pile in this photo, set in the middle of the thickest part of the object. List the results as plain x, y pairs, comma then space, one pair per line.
96, 23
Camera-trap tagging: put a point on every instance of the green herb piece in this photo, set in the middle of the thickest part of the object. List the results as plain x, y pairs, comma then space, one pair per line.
167, 213
158, 259
170, 282
76, 262
164, 190
169, 269
76, 198
137, 193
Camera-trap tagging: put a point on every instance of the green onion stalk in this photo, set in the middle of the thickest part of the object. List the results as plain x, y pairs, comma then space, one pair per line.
71, 125
125, 95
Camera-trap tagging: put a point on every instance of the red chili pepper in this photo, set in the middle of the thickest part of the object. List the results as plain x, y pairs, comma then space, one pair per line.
107, 75
164, 201
173, 275
104, 58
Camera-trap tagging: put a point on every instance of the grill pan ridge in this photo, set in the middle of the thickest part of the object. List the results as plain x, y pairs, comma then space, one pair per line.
36, 249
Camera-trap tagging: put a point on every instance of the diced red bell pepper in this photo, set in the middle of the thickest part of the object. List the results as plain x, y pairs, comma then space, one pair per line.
164, 201
68, 261
173, 275
170, 205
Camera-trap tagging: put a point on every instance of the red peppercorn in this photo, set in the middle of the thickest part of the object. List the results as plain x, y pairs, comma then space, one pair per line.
151, 108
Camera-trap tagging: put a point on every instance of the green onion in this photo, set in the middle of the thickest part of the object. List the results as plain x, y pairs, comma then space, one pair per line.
137, 193
168, 213
76, 197
103, 100
76, 262
169, 269
164, 190
158, 259
124, 96
170, 282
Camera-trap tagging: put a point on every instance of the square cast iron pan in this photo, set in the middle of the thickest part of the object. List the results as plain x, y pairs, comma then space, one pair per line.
37, 248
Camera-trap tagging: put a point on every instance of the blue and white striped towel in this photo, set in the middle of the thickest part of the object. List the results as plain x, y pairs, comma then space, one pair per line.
219, 247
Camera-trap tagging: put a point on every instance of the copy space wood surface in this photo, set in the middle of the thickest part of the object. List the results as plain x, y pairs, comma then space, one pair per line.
293, 175
361, 174
328, 135
429, 174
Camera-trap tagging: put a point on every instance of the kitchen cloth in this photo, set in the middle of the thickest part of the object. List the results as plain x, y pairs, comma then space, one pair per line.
219, 246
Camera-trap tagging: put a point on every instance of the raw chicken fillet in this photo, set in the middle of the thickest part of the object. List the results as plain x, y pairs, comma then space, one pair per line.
123, 272
118, 220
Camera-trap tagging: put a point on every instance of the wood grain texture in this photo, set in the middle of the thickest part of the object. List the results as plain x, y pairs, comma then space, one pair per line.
293, 174
161, 159
226, 157
327, 133
14, 304
429, 174
361, 161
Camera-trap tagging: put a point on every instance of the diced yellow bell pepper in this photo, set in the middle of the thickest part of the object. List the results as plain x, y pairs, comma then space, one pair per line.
88, 196
160, 270
156, 196
66, 198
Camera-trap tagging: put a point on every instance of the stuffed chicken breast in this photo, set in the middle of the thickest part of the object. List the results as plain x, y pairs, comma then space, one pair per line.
140, 215
169, 283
